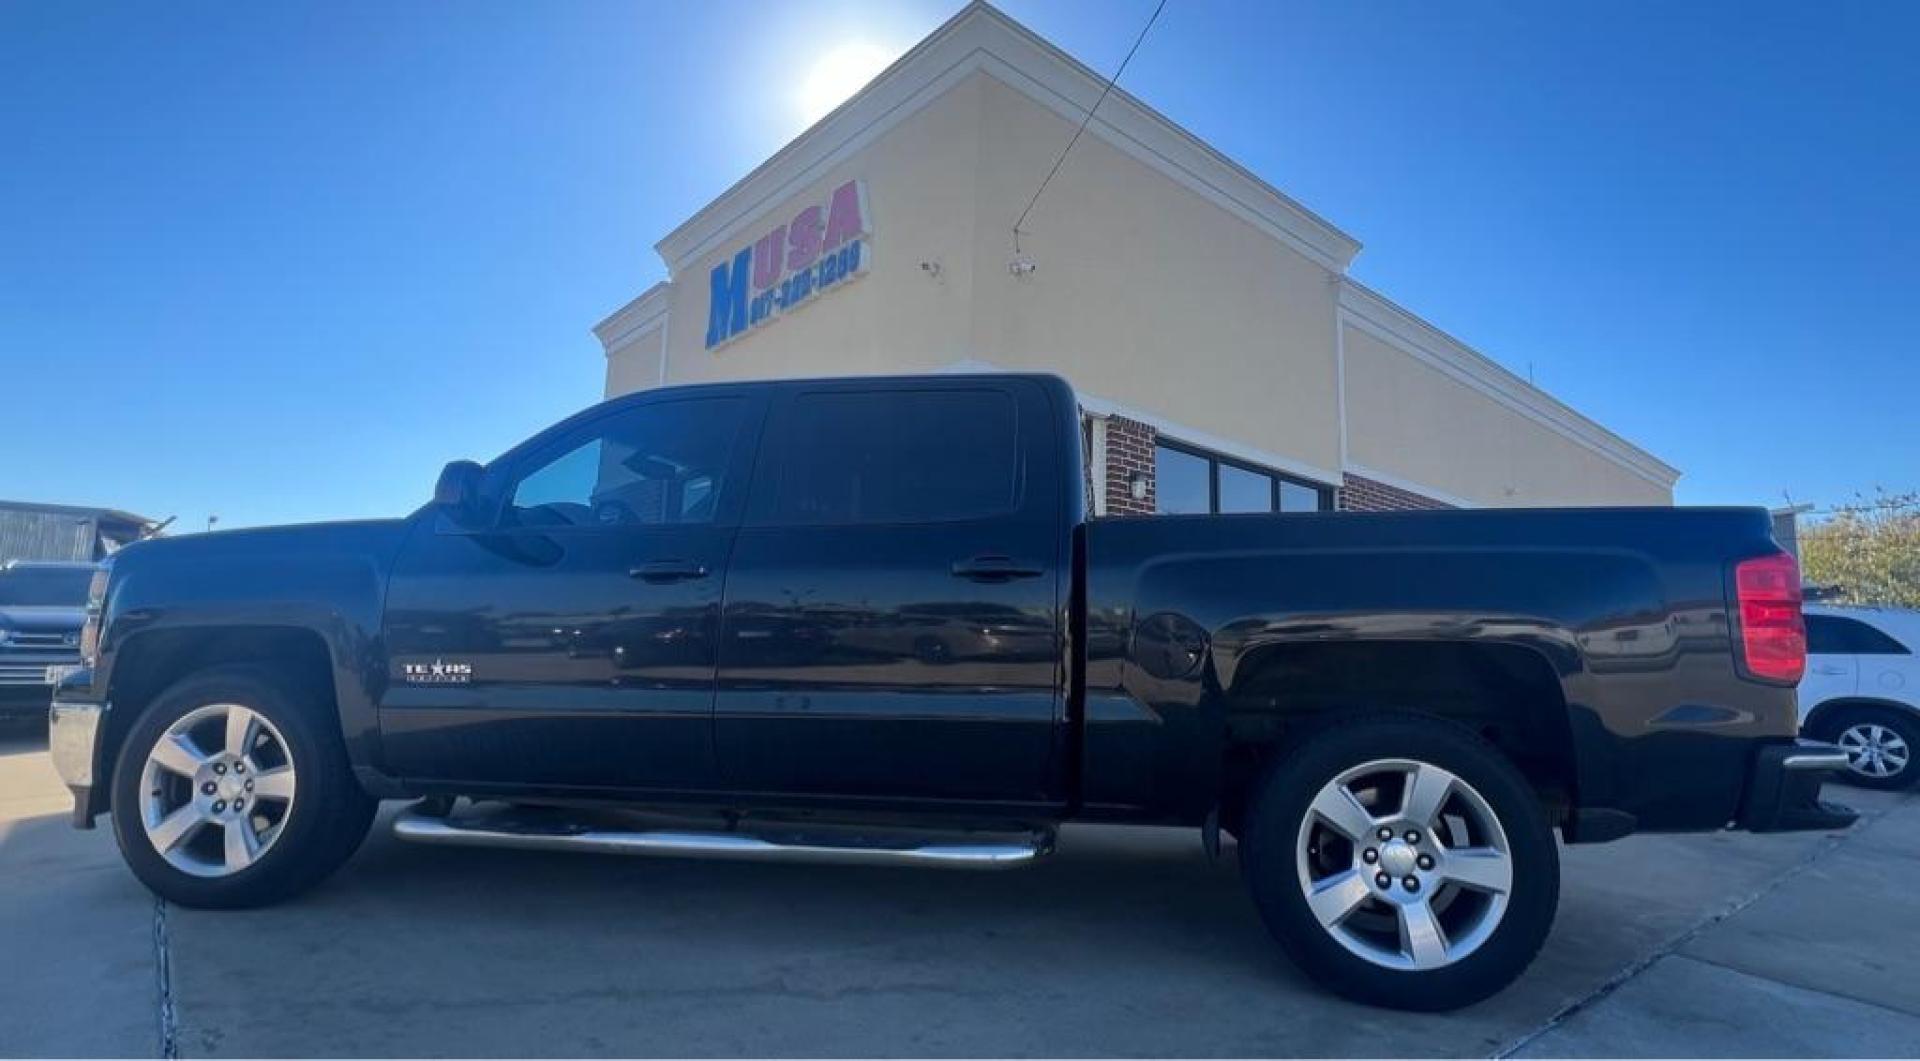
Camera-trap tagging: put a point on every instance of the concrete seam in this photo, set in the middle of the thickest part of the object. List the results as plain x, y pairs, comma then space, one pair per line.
1672, 946
163, 971
1841, 995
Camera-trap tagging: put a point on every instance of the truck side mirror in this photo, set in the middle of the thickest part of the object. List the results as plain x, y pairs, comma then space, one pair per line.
458, 491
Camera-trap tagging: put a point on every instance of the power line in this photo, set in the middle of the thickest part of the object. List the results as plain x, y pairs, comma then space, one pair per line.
1104, 92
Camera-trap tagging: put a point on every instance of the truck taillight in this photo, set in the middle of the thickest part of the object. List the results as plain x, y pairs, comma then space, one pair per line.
1773, 635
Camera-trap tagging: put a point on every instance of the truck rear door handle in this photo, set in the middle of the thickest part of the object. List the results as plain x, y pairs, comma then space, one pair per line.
994, 568
658, 571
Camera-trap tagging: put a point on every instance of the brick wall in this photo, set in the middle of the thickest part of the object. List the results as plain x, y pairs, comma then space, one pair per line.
1360, 494
1129, 450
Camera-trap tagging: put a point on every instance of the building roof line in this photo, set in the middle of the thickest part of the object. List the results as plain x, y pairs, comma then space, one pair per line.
75, 510
640, 315
1418, 336
964, 42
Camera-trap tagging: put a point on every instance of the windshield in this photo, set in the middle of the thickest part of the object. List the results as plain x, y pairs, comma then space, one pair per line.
44, 587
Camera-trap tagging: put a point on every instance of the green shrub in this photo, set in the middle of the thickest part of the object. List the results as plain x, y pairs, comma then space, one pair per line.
1868, 551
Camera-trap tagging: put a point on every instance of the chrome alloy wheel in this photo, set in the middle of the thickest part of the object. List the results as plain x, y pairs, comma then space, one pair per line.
216, 790
1874, 750
1404, 864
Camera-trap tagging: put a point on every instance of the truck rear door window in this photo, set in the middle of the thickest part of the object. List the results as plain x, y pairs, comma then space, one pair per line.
898, 457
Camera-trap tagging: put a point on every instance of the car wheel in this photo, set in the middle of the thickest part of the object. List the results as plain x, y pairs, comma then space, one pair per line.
1880, 745
1402, 861
233, 789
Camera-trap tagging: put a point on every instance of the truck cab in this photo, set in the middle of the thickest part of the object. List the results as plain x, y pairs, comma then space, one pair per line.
837, 589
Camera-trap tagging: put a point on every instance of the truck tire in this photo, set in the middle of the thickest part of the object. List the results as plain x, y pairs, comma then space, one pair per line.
1880, 744
1402, 861
233, 789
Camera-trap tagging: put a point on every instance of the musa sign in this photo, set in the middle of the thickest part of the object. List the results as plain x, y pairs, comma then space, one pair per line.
823, 245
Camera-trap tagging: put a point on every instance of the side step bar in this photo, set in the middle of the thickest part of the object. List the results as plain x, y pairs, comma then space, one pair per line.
785, 842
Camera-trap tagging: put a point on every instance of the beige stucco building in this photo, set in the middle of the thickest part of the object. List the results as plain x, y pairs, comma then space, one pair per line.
1224, 357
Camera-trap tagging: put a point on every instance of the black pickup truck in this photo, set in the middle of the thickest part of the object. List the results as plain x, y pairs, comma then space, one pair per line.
40, 620
867, 620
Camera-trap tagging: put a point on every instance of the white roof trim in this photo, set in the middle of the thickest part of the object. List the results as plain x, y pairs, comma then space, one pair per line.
981, 38
1363, 308
635, 320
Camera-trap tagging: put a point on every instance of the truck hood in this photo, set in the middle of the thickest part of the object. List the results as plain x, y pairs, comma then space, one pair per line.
41, 620
346, 532
312, 573
373, 537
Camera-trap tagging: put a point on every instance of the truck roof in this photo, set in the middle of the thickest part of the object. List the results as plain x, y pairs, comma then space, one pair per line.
1049, 379
1053, 383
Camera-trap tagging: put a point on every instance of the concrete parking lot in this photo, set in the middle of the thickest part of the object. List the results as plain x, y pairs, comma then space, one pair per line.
1127, 942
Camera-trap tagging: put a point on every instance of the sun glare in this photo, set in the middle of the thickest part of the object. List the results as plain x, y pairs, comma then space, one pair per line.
839, 74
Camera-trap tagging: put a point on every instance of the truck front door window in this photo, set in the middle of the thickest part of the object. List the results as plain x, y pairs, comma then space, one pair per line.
653, 465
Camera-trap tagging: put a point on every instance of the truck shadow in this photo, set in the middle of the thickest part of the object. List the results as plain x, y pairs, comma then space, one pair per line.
23, 733
1126, 942
1151, 894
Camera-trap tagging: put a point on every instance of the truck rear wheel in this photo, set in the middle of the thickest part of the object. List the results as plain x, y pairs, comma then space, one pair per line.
1402, 861
233, 790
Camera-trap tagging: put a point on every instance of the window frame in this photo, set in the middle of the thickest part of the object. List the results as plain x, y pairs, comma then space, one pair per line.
1216, 460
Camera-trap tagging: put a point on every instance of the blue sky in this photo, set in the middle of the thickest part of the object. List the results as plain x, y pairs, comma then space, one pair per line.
280, 262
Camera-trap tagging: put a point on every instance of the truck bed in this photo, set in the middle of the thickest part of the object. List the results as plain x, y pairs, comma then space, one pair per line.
1599, 636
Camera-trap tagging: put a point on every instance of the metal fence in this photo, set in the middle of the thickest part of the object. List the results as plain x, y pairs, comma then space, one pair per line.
30, 531
29, 534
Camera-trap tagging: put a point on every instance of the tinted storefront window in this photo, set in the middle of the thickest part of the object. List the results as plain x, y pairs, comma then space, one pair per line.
1244, 490
1182, 482
1297, 498
1189, 481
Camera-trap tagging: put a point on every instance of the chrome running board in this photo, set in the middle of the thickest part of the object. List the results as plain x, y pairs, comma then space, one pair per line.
751, 841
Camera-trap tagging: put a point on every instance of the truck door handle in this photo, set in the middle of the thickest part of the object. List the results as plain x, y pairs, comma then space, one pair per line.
994, 568
659, 571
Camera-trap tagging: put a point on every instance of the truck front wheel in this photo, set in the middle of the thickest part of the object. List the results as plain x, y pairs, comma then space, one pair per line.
233, 789
1402, 861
